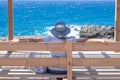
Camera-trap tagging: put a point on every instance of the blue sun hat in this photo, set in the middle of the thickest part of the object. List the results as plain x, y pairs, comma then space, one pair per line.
60, 29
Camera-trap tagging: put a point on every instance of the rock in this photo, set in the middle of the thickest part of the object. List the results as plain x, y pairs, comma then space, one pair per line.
97, 32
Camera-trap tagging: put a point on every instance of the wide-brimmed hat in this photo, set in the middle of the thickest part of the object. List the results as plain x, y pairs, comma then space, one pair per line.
60, 29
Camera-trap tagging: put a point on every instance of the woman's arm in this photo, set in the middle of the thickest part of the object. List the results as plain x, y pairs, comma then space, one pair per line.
25, 40
30, 40
92, 40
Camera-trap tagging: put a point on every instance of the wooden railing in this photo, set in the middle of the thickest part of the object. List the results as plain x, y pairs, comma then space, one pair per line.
61, 62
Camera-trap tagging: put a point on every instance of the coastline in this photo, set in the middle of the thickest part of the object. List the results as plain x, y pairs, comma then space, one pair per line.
86, 31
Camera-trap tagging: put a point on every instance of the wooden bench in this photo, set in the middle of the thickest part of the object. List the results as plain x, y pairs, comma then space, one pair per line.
70, 62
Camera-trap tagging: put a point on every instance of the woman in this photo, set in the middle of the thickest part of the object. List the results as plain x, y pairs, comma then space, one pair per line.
59, 32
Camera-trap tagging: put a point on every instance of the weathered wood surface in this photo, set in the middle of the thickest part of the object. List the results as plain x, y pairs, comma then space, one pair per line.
10, 19
32, 46
81, 60
117, 21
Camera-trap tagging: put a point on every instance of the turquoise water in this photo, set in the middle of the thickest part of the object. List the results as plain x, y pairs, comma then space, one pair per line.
37, 17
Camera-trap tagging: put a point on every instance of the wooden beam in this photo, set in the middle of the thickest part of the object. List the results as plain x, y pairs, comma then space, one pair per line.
60, 62
94, 46
117, 25
33, 75
40, 46
96, 62
96, 76
69, 60
10, 20
32, 46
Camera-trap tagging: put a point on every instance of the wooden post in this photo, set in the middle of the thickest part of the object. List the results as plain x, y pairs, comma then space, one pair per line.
69, 60
10, 20
117, 21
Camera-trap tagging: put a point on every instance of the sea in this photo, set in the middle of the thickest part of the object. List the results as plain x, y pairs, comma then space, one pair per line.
37, 17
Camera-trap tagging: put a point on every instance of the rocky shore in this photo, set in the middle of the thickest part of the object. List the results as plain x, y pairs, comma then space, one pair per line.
92, 31
87, 31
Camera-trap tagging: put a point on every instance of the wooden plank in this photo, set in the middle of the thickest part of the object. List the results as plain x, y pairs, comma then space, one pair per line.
94, 46
96, 72
96, 62
94, 76
28, 46
78, 72
117, 25
69, 60
10, 20
35, 75
32, 46
6, 56
61, 62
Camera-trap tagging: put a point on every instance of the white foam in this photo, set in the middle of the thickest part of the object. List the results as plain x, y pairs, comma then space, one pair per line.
75, 30
48, 31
